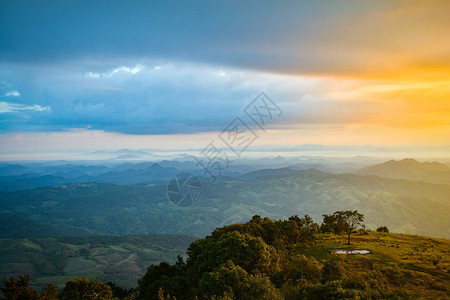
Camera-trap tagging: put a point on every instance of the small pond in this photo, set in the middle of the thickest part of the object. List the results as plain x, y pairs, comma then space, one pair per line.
350, 251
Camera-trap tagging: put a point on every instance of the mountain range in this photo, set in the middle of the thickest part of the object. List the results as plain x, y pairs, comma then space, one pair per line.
411, 169
101, 208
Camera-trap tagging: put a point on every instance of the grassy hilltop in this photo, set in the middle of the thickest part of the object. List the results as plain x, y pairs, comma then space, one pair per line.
420, 264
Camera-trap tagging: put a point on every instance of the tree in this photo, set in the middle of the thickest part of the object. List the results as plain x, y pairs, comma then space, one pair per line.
250, 253
171, 279
383, 229
121, 293
50, 293
230, 281
332, 223
83, 289
352, 221
18, 289
343, 221
298, 229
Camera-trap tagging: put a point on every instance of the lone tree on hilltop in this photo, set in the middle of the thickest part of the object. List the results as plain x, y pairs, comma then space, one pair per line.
343, 221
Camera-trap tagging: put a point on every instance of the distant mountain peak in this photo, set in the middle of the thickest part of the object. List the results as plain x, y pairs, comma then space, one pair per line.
128, 151
411, 169
404, 161
279, 158
156, 166
409, 160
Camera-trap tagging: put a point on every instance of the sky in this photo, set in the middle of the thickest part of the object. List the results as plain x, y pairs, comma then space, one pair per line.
89, 75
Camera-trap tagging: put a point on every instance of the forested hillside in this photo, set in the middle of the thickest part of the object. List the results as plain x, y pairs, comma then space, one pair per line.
106, 209
121, 260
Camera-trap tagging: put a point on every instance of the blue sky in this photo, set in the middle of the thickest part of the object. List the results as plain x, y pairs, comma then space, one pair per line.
133, 68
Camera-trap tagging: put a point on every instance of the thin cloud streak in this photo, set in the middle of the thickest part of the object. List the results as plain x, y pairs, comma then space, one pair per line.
6, 107
122, 69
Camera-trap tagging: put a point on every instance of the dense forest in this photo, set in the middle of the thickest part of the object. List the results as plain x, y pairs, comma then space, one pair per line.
281, 259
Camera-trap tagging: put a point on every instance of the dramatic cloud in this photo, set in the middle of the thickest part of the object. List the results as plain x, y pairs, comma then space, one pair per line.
342, 71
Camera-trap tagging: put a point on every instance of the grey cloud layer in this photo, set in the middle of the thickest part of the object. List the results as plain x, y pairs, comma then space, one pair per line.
136, 99
282, 36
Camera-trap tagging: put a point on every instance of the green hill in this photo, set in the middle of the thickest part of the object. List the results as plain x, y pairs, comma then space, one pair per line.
122, 260
268, 259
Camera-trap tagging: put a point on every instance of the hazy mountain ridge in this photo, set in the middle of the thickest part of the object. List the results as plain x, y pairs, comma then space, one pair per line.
121, 174
268, 172
412, 170
108, 209
16, 176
